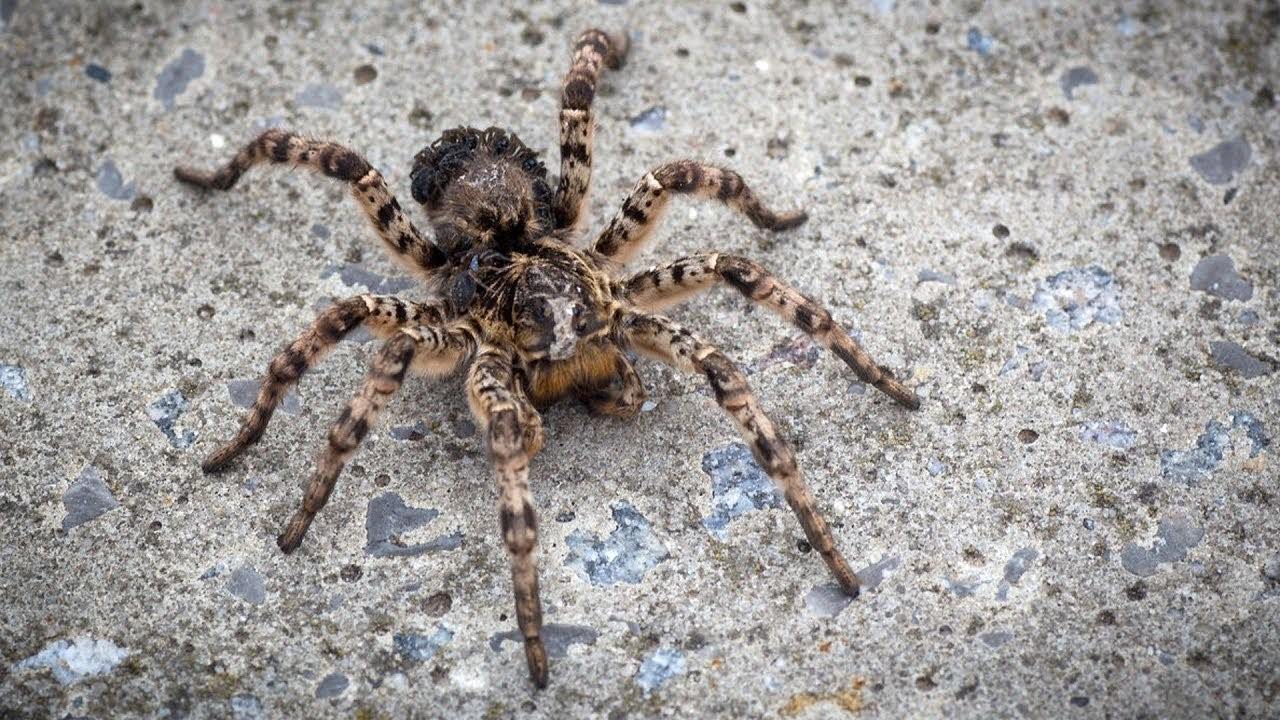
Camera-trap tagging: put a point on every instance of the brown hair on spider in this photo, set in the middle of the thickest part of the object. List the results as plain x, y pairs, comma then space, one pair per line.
482, 188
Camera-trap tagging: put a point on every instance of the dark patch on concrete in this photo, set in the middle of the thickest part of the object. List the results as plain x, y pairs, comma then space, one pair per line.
1076, 77
1019, 564
556, 636
97, 73
333, 685
388, 518
111, 182
177, 75
1233, 357
996, 638
164, 411
799, 351
738, 486
1173, 538
1220, 164
246, 584
87, 498
409, 433
1216, 275
244, 391
629, 552
1190, 466
420, 648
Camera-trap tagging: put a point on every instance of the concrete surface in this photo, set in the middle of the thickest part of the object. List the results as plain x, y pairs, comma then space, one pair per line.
1058, 220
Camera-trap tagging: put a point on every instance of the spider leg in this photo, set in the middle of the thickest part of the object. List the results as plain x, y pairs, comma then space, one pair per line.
594, 51
665, 341
382, 314
405, 243
408, 348
498, 410
627, 231
674, 282
621, 396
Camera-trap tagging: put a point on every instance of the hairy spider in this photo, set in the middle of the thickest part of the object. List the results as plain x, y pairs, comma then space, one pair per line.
531, 316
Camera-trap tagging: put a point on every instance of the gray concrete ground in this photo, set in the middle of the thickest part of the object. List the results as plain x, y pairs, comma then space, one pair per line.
1057, 220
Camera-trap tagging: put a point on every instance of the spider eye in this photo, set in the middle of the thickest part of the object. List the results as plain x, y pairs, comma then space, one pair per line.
531, 164
501, 145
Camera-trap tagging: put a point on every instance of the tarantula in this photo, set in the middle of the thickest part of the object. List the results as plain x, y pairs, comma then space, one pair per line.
531, 316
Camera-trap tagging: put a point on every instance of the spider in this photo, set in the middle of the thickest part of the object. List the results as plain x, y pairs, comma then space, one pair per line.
532, 316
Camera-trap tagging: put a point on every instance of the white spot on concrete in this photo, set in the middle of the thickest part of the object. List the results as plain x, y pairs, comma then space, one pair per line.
73, 660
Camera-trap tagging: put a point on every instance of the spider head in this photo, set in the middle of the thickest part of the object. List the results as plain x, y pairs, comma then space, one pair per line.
554, 315
482, 187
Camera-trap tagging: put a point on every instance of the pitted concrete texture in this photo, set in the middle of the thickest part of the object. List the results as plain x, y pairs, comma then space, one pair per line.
1056, 220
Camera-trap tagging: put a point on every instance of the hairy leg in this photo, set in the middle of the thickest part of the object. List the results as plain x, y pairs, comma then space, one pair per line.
405, 243
621, 396
594, 51
664, 340
385, 376
630, 228
498, 410
382, 314
674, 282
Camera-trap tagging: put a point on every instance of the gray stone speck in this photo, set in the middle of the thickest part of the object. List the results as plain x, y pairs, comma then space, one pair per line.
996, 638
410, 433
1258, 440
1219, 164
629, 552
388, 518
650, 120
884, 7
246, 584
556, 636
245, 707
87, 498
936, 467
826, 600
320, 231
1076, 77
872, 575
324, 96
420, 648
1111, 433
1190, 466
177, 75
1019, 564
73, 660
164, 411
1216, 275
962, 588
333, 685
738, 486
1173, 538
14, 381
979, 43
6, 12
111, 182
925, 275
1074, 299
244, 391
352, 274
661, 666
1271, 569
1232, 356
96, 72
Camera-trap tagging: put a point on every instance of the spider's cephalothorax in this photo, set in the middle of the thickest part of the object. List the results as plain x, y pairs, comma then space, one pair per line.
530, 316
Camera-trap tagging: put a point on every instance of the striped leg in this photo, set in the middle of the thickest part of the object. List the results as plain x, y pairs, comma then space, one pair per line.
664, 340
622, 396
627, 231
383, 315
398, 233
669, 284
385, 376
594, 51
498, 410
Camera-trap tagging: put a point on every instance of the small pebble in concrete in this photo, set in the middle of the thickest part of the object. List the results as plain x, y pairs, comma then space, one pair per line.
1112, 433
799, 351
389, 518
333, 685
1233, 357
738, 486
353, 274
826, 600
884, 7
1173, 538
1220, 164
244, 391
1258, 439
409, 433
320, 230
962, 587
1076, 77
364, 74
1019, 564
246, 584
87, 498
420, 648
925, 275
437, 604
14, 381
650, 120
1074, 299
164, 411
629, 552
6, 12
98, 73
662, 665
245, 707
111, 182
979, 43
1271, 568
323, 96
73, 660
177, 75
1191, 466
936, 467
556, 637
1216, 275
995, 638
